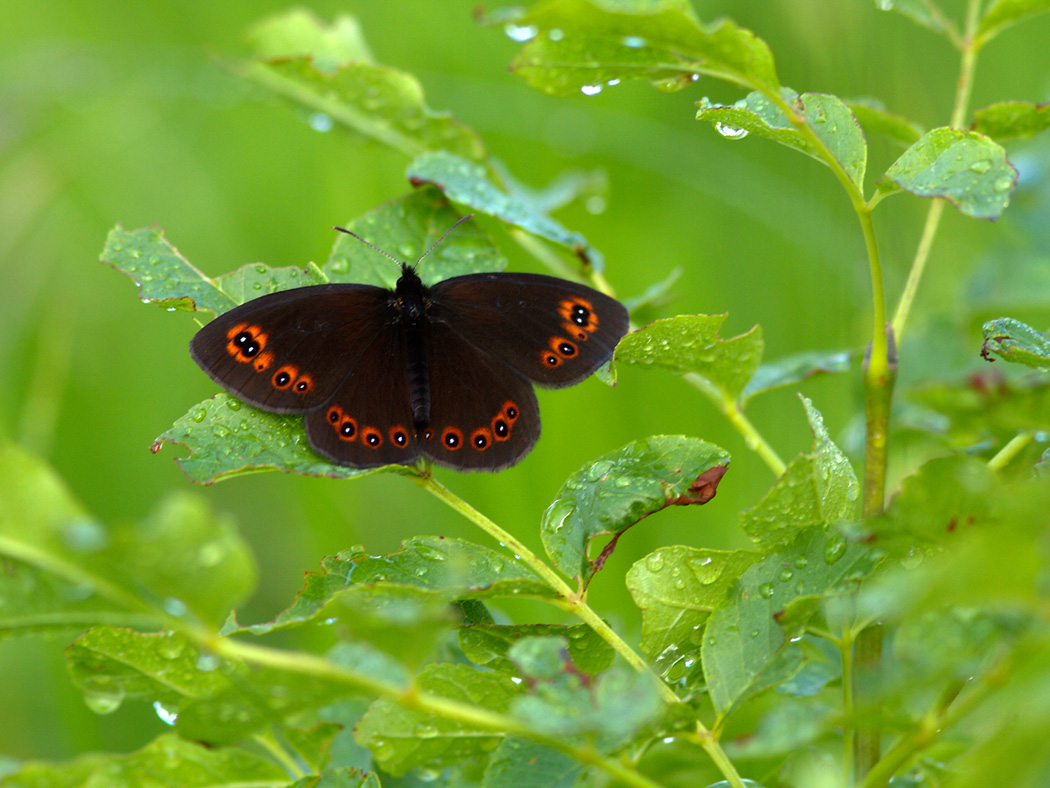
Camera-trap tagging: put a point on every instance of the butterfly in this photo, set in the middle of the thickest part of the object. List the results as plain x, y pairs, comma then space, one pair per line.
443, 371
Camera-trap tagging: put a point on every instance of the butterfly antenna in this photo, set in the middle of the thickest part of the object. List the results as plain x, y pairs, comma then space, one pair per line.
370, 246
400, 263
459, 221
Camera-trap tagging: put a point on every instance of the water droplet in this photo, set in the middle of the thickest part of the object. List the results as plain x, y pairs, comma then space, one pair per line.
84, 535
801, 561
198, 415
260, 268
591, 90
233, 404
166, 716
175, 607
321, 122
555, 34
730, 132
206, 663
1003, 184
103, 695
786, 575
220, 430
835, 550
766, 590
980, 166
654, 562
520, 33
633, 42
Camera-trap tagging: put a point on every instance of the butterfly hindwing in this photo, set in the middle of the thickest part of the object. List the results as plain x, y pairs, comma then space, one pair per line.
483, 414
368, 422
553, 332
288, 352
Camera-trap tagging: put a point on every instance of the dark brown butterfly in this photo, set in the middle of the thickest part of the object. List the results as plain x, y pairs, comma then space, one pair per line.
385, 376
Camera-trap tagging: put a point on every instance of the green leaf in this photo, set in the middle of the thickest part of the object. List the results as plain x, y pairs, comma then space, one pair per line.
228, 438
298, 33
620, 488
1004, 13
919, 11
1012, 119
441, 568
313, 745
166, 762
113, 665
744, 649
818, 487
585, 45
468, 183
988, 409
607, 711
1012, 340
520, 763
182, 560
874, 117
487, 645
327, 71
968, 169
677, 588
794, 369
339, 778
690, 343
166, 278
790, 727
402, 738
406, 228
828, 116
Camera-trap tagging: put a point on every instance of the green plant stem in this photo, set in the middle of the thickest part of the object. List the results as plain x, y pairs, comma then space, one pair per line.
879, 378
279, 754
575, 603
925, 733
731, 410
1010, 450
568, 599
849, 731
968, 46
308, 664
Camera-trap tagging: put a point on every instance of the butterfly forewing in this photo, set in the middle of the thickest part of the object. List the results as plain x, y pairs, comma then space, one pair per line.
288, 352
553, 332
483, 414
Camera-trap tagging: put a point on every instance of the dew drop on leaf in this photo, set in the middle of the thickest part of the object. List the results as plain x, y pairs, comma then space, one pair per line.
730, 132
103, 696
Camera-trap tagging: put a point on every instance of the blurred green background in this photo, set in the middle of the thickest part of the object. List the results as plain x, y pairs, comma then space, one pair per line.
123, 113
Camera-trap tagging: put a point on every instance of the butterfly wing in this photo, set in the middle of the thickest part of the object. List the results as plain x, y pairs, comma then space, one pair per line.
483, 414
553, 332
289, 352
368, 422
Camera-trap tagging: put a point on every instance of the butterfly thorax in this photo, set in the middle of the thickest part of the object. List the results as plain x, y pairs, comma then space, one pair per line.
411, 297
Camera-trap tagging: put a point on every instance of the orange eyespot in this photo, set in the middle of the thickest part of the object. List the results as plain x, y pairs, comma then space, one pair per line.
246, 342
371, 437
263, 361
452, 438
346, 428
304, 384
579, 312
562, 347
551, 359
282, 378
399, 436
510, 411
481, 438
500, 428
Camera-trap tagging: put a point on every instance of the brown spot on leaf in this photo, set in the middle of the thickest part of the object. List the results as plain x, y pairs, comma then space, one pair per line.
703, 489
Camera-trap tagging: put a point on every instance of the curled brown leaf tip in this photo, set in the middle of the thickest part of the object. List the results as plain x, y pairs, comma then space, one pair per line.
703, 489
